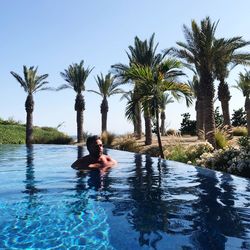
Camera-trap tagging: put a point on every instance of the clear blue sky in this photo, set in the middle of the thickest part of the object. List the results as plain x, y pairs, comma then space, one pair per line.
52, 34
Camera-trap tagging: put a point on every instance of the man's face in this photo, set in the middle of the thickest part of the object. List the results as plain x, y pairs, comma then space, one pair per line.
96, 148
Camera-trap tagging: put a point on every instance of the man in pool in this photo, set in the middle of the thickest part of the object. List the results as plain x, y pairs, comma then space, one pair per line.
95, 159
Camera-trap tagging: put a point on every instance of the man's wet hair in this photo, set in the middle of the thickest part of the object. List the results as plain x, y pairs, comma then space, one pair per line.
92, 139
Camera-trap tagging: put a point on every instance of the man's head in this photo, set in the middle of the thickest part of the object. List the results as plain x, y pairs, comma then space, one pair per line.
94, 146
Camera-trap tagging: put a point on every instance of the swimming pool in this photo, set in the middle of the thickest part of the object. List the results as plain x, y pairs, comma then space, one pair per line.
143, 203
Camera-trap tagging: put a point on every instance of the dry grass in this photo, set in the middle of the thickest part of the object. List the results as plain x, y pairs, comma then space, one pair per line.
172, 140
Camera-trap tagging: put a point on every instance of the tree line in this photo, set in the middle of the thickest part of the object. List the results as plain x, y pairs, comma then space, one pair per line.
157, 79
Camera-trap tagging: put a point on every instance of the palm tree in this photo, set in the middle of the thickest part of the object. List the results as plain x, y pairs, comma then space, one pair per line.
226, 59
131, 108
152, 82
143, 53
31, 84
200, 51
243, 84
75, 76
107, 87
165, 100
196, 90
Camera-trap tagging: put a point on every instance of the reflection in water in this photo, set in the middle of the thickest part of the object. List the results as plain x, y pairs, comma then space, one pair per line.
161, 203
145, 210
30, 187
216, 218
143, 202
80, 152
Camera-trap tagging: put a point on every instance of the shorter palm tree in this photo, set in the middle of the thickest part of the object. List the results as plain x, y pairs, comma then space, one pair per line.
107, 87
165, 100
75, 76
243, 84
152, 82
131, 108
31, 84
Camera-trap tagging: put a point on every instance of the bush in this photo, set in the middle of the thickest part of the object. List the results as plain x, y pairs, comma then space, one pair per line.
188, 126
152, 151
244, 143
194, 152
239, 118
126, 143
221, 139
50, 136
11, 132
240, 131
107, 138
172, 132
176, 153
231, 160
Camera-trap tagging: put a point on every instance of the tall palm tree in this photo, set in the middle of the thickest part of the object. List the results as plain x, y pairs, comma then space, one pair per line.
152, 82
31, 84
143, 53
200, 51
107, 87
75, 76
164, 101
226, 59
243, 84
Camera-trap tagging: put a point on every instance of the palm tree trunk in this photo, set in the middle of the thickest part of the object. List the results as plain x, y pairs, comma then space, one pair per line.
224, 98
247, 109
163, 117
200, 119
158, 134
79, 121
79, 107
104, 112
148, 129
29, 128
208, 89
138, 128
225, 112
29, 107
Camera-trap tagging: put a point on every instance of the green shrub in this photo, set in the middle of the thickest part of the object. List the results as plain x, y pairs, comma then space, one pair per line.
12, 132
188, 127
239, 118
240, 131
221, 139
176, 153
50, 136
244, 143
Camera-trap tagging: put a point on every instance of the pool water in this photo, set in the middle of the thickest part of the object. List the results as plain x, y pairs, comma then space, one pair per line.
142, 203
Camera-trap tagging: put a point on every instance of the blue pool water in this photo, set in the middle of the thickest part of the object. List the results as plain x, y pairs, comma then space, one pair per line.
142, 203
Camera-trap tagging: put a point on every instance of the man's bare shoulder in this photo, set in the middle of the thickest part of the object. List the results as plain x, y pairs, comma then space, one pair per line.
83, 162
87, 162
